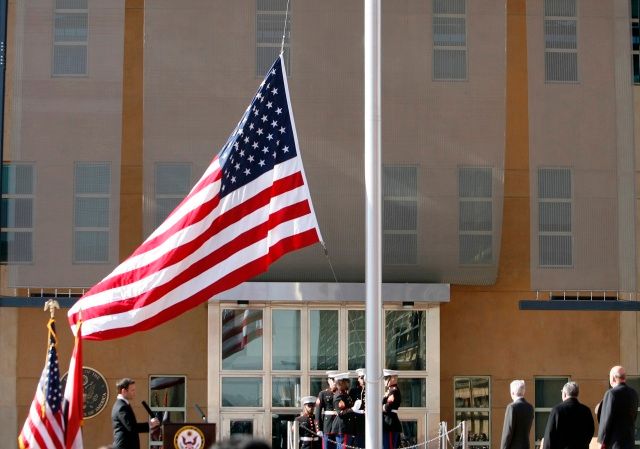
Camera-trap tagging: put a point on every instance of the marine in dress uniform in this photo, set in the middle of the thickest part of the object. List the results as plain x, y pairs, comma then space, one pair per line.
307, 425
357, 394
342, 427
325, 413
391, 426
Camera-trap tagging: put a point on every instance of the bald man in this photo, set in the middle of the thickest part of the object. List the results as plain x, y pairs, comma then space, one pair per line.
618, 413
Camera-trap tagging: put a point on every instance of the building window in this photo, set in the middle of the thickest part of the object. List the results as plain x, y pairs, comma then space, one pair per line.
548, 394
405, 340
285, 392
560, 41
399, 215
449, 40
635, 40
285, 338
323, 340
413, 391
241, 392
472, 402
555, 239
168, 399
172, 184
634, 382
92, 187
475, 228
16, 213
357, 339
241, 339
70, 37
270, 17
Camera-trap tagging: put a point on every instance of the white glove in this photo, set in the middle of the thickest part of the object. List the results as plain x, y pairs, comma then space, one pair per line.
359, 412
357, 405
319, 433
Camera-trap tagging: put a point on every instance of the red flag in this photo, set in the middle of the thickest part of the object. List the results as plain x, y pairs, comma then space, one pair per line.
250, 207
74, 396
43, 428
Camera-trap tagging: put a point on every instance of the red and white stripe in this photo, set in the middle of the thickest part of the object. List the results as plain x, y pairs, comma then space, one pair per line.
43, 429
74, 397
207, 245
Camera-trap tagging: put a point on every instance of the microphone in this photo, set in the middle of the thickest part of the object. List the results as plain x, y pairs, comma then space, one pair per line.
165, 417
202, 415
148, 409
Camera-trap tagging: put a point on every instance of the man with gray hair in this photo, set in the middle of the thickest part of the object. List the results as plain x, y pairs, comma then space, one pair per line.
618, 413
518, 418
570, 424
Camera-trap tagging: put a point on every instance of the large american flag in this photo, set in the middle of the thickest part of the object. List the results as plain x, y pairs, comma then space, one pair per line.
250, 207
43, 428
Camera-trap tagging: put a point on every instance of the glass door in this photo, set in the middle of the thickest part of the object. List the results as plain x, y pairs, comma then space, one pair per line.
234, 424
414, 428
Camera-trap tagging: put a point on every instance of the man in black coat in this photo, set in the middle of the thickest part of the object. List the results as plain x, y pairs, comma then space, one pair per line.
125, 426
570, 424
618, 413
518, 418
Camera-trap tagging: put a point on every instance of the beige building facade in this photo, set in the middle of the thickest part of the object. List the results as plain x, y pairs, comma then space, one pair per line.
509, 173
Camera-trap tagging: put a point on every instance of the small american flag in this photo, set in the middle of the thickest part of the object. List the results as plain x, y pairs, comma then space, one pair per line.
239, 328
250, 207
43, 428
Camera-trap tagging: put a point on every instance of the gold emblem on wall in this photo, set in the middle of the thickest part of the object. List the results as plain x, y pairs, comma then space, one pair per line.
96, 391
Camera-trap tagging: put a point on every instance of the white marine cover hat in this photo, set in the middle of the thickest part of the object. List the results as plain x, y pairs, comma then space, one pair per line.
389, 372
331, 374
340, 376
361, 372
308, 400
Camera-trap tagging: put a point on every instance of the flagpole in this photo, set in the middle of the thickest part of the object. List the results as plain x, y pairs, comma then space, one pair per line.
373, 276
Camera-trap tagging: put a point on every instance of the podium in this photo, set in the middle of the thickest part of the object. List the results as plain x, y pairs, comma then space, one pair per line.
188, 435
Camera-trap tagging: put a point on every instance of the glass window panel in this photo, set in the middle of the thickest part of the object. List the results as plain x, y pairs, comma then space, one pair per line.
399, 249
476, 249
400, 214
405, 340
279, 425
357, 339
479, 428
173, 179
561, 66
635, 36
270, 28
540, 424
164, 206
241, 392
285, 392
70, 27
92, 178
241, 427
462, 393
560, 34
91, 246
16, 247
91, 212
635, 9
167, 391
399, 181
285, 338
323, 339
449, 64
69, 59
475, 182
555, 250
475, 216
16, 213
563, 8
317, 384
554, 183
241, 339
548, 391
265, 55
271, 5
636, 68
413, 391
409, 433
554, 217
448, 6
449, 31
17, 179
480, 392
71, 4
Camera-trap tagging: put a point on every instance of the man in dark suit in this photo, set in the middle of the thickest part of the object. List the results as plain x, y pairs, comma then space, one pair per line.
125, 426
517, 419
618, 413
570, 424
